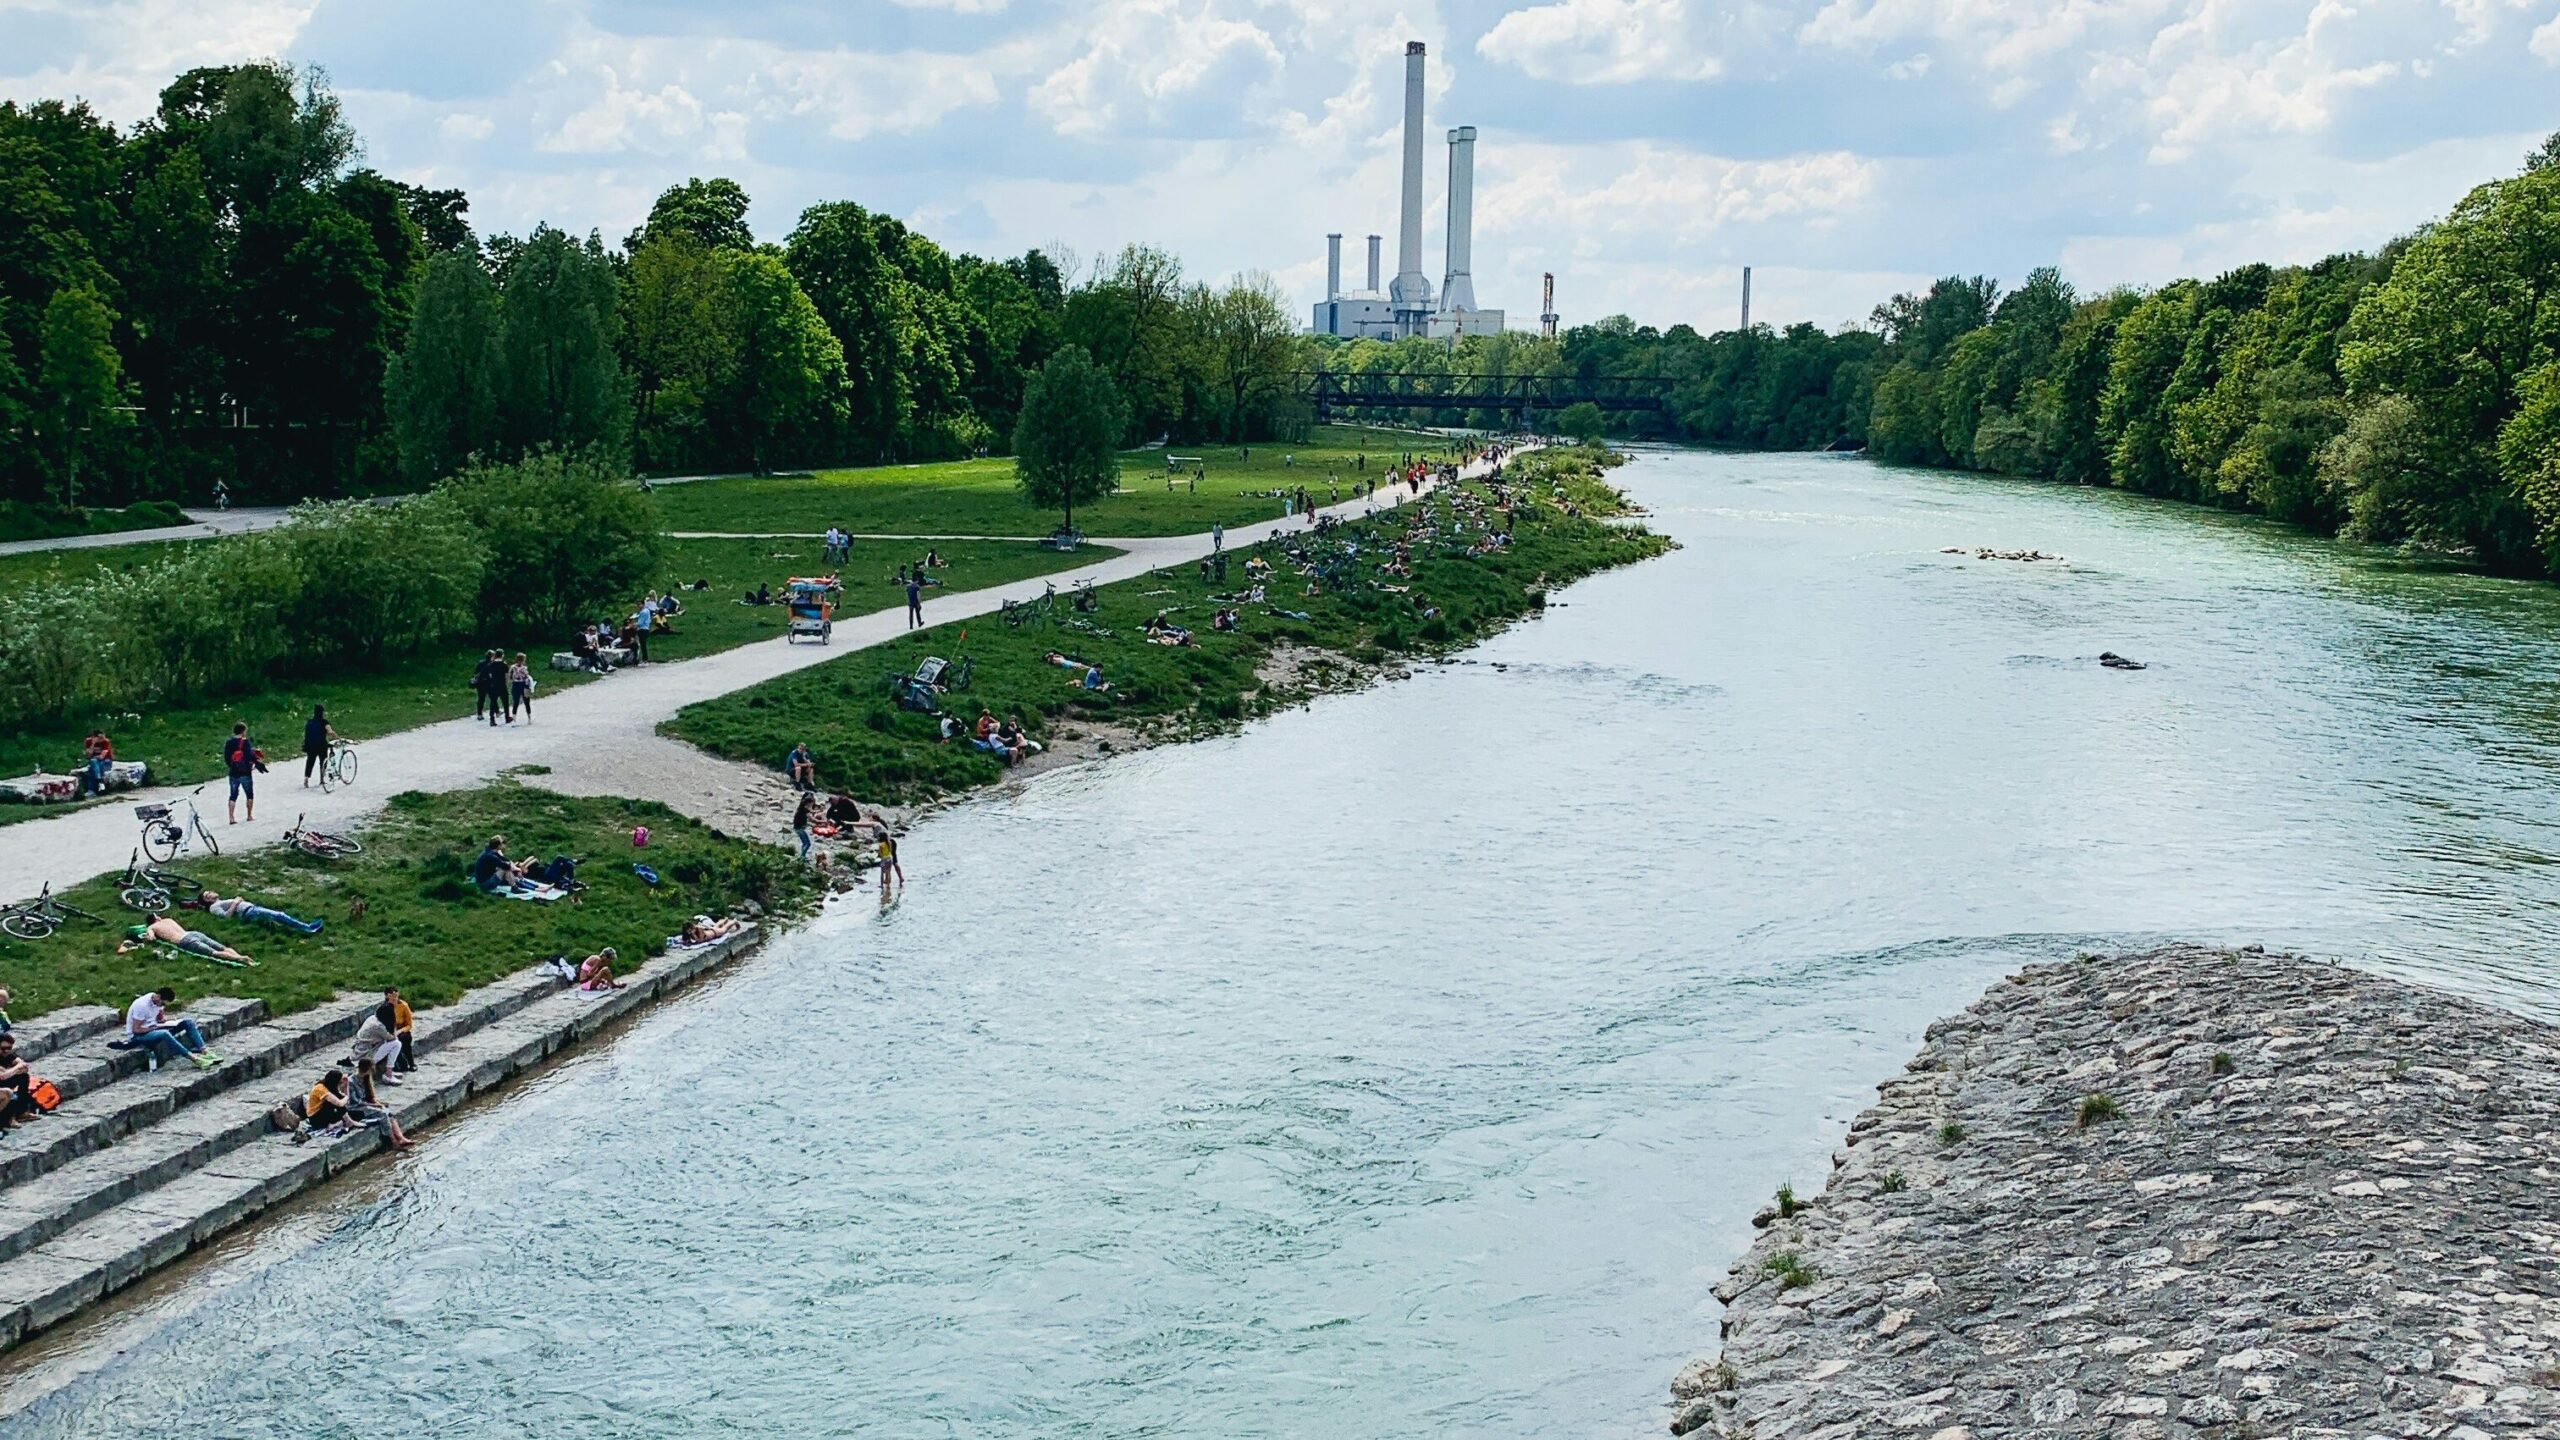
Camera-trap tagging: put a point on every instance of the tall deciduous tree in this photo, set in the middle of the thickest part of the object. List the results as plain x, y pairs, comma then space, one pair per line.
564, 383
713, 212
1066, 444
83, 378
788, 371
680, 332
443, 387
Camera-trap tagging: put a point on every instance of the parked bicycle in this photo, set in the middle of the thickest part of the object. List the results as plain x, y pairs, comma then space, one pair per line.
40, 917
338, 767
148, 888
1019, 613
320, 844
165, 835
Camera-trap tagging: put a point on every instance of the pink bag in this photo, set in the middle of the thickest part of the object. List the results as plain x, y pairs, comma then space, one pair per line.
639, 836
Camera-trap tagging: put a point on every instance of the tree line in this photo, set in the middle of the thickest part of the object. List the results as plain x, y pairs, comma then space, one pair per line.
221, 293
2410, 396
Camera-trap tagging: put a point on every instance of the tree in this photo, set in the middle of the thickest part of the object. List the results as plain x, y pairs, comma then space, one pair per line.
1581, 420
1248, 341
564, 534
713, 212
564, 383
788, 369
680, 332
83, 378
443, 388
1066, 444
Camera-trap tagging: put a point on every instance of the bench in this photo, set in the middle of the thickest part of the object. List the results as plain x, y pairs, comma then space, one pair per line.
44, 789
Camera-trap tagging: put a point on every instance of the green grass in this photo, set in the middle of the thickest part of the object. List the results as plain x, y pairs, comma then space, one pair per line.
45, 567
22, 521
181, 743
423, 928
864, 745
977, 497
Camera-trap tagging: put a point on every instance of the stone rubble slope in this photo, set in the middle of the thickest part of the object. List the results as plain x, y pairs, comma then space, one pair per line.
2179, 1193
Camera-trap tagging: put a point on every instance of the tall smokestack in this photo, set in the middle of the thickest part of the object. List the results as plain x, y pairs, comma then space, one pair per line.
1458, 287
1333, 267
1373, 264
1547, 316
1746, 297
1411, 294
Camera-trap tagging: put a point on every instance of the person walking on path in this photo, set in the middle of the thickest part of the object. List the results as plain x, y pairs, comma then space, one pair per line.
240, 761
520, 689
316, 735
915, 602
488, 686
1217, 537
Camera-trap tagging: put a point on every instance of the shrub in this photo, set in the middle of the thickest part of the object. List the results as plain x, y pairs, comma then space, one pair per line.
2098, 1108
1894, 1183
562, 534
1788, 1204
1789, 1269
1950, 1133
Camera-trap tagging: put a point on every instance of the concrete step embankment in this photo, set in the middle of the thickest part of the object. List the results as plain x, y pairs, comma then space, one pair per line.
95, 1061
59, 1029
111, 1099
217, 1168
197, 1134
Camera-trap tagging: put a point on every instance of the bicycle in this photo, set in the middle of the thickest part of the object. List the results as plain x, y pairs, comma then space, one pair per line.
40, 917
148, 888
1019, 613
165, 836
320, 844
338, 767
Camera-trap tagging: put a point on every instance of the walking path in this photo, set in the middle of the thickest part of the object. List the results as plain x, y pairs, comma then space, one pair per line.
603, 722
239, 520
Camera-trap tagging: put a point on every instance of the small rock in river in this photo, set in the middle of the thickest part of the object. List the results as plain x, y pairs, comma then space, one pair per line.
2114, 661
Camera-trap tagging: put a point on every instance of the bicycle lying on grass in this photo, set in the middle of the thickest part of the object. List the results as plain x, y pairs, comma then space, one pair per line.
320, 844
41, 916
148, 888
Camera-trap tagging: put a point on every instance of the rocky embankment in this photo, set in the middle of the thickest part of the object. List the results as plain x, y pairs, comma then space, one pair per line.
2181, 1193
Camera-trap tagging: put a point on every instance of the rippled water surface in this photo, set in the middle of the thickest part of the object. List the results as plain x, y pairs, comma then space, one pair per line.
1411, 1064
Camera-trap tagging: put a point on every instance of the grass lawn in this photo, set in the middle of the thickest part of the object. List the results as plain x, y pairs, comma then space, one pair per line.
22, 521
181, 743
40, 567
878, 753
423, 928
977, 497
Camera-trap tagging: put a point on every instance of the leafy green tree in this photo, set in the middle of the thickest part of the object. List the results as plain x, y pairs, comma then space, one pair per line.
564, 386
1248, 344
1582, 420
788, 372
845, 260
2133, 411
443, 388
712, 212
1066, 445
2529, 453
2383, 468
564, 535
83, 378
680, 331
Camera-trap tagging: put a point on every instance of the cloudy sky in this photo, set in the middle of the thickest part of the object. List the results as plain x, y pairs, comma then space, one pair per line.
1643, 150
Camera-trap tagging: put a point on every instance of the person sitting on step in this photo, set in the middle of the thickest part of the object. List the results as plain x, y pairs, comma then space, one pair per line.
378, 1040
147, 1024
364, 1104
17, 1079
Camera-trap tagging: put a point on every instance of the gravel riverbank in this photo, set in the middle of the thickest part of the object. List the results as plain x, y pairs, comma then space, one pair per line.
2184, 1192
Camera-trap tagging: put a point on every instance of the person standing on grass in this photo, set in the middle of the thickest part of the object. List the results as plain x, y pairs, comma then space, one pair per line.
800, 820
643, 623
520, 689
240, 762
915, 602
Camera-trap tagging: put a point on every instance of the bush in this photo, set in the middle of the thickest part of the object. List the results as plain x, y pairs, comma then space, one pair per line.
561, 533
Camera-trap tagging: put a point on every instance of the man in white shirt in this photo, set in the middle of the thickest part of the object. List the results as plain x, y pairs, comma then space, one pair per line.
147, 1023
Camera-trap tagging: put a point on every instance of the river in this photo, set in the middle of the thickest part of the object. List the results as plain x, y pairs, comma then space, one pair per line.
1410, 1063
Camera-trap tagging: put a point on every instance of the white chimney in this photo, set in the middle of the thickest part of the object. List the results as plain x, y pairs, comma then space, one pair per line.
1410, 296
1458, 287
1333, 267
1373, 264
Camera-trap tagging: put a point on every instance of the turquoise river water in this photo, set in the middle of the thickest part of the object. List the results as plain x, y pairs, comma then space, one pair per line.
1410, 1064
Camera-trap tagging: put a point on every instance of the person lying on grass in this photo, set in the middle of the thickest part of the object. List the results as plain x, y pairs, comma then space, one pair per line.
241, 907
1165, 632
160, 929
1091, 678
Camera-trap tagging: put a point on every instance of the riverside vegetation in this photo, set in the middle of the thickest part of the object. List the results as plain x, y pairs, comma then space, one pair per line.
1562, 529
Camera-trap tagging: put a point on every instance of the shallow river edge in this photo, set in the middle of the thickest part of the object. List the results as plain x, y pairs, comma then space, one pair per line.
2183, 1192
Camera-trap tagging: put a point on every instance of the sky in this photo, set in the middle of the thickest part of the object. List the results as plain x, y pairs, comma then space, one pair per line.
1642, 150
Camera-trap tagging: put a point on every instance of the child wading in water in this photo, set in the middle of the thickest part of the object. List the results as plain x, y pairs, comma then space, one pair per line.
889, 865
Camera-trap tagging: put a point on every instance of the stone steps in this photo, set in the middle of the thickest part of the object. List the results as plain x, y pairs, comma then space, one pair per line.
67, 1026
117, 1101
97, 1224
39, 1209
99, 1058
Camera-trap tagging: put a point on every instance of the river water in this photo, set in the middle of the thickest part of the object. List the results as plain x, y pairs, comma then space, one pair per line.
1411, 1063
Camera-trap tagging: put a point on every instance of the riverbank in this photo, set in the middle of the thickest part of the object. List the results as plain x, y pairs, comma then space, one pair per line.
2183, 1192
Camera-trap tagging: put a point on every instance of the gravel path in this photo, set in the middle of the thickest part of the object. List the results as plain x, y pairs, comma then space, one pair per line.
2182, 1193
239, 520
602, 737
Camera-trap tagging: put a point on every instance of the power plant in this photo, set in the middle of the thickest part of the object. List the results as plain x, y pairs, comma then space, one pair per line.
1407, 307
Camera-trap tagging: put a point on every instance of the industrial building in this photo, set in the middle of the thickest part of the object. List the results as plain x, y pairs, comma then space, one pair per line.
1407, 306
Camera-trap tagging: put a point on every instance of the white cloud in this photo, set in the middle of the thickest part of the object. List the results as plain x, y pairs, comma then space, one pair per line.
2546, 40
135, 47
1910, 68
464, 126
1600, 42
2202, 86
1653, 195
1149, 61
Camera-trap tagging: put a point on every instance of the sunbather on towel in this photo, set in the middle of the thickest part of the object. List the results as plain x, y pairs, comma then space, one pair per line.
165, 931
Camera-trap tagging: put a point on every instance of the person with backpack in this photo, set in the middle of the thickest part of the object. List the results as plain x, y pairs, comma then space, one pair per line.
241, 760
